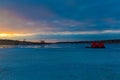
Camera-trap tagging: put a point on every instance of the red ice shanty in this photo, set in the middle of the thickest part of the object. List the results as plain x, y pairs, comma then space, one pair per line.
97, 45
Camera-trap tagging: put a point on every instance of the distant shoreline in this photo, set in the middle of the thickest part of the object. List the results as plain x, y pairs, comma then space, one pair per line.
114, 41
17, 42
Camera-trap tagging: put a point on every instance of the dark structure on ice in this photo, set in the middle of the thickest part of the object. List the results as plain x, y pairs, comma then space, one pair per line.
97, 45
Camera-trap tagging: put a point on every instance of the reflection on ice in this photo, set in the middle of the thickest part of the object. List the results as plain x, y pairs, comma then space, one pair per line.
22, 46
6, 46
42, 46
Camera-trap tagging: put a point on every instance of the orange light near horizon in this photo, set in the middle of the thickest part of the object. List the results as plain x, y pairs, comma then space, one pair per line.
6, 35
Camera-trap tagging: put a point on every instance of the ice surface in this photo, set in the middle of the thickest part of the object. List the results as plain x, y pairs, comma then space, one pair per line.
59, 62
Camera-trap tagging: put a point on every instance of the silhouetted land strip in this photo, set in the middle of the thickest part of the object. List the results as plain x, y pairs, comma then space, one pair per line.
17, 42
105, 41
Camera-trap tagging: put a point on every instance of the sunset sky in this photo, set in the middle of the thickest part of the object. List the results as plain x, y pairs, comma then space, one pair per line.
59, 20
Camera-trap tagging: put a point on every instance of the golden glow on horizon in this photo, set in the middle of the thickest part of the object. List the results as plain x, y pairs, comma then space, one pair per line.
6, 35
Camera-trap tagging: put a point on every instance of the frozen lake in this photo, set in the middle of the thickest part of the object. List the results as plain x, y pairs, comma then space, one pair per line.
59, 62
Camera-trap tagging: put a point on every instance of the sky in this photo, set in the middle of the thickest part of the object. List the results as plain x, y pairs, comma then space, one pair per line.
60, 20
